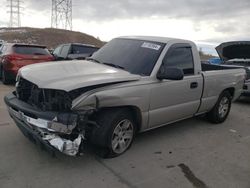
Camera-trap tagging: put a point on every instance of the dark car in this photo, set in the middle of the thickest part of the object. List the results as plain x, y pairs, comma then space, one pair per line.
74, 51
15, 56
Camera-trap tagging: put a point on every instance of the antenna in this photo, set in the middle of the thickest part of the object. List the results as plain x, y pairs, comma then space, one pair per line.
61, 16
14, 11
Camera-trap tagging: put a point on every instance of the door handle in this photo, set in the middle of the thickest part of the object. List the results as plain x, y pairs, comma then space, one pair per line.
194, 85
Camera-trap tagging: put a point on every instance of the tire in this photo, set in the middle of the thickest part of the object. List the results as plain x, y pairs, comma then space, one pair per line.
5, 77
1, 68
220, 111
115, 133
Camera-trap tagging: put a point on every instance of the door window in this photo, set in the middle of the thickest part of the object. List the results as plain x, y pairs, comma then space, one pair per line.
180, 57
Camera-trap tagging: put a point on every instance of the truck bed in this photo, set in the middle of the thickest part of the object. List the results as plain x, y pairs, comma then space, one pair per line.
216, 79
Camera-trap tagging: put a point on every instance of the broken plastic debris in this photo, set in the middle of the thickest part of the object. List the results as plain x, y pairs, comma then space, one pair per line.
59, 127
67, 147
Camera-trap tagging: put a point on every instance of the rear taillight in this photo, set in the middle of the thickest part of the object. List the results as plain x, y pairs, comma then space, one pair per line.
12, 57
10, 61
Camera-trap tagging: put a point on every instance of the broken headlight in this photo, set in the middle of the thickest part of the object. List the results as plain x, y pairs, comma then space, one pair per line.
64, 123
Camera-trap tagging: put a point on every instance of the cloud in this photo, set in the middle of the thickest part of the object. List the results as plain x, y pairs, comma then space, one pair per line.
3, 23
224, 19
226, 14
113, 9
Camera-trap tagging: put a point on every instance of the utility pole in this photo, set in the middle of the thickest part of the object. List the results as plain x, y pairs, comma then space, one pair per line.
15, 12
61, 14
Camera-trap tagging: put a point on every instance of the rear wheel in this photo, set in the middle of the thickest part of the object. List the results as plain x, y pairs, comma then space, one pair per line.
222, 108
115, 134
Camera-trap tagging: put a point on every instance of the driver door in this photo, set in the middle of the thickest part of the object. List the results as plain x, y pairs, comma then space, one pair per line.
175, 100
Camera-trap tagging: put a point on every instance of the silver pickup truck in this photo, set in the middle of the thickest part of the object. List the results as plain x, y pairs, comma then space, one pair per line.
132, 84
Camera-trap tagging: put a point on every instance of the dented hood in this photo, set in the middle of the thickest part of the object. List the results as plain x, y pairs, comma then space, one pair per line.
234, 50
70, 75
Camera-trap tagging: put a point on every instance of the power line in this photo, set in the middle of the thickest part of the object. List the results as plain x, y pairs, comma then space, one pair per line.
61, 14
15, 12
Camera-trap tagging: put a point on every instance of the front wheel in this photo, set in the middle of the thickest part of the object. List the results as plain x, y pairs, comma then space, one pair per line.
221, 109
115, 133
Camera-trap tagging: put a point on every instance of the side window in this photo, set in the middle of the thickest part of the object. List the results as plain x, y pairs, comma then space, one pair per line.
65, 51
57, 51
180, 57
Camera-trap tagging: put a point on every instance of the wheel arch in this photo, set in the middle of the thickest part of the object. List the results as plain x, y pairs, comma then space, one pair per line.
134, 110
231, 90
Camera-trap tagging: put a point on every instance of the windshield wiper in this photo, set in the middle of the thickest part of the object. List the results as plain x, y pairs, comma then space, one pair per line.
109, 64
114, 65
92, 59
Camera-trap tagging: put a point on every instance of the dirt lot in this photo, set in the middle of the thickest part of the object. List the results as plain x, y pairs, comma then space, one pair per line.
192, 153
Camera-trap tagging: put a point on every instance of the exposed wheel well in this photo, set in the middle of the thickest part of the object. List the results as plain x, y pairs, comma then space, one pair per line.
135, 112
231, 90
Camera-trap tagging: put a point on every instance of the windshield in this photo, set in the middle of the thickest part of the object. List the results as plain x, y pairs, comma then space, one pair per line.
135, 56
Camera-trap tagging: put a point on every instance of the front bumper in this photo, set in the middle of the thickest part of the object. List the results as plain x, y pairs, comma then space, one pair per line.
34, 136
40, 127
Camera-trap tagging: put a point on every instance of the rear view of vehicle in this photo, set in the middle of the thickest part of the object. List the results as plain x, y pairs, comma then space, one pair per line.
237, 53
15, 56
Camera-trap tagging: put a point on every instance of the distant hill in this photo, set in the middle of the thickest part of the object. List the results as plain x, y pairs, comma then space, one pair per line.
49, 37
53, 37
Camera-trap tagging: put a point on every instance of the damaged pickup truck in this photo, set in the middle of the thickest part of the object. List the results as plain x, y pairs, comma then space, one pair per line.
132, 84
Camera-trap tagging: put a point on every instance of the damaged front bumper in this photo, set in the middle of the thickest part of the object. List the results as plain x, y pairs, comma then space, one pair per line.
51, 130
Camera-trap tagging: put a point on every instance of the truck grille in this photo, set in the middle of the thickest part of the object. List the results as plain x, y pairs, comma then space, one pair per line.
23, 89
44, 99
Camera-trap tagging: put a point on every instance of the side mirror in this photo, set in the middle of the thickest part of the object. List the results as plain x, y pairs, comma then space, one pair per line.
170, 73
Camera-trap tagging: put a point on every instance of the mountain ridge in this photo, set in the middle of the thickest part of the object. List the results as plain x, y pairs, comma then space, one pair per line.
49, 37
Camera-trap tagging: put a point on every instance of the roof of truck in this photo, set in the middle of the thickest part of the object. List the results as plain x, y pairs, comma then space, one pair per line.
157, 39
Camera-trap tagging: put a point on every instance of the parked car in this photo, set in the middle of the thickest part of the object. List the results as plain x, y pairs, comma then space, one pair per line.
74, 51
237, 53
15, 56
131, 85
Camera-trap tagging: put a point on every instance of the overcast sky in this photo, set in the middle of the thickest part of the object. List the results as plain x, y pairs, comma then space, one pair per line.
207, 21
